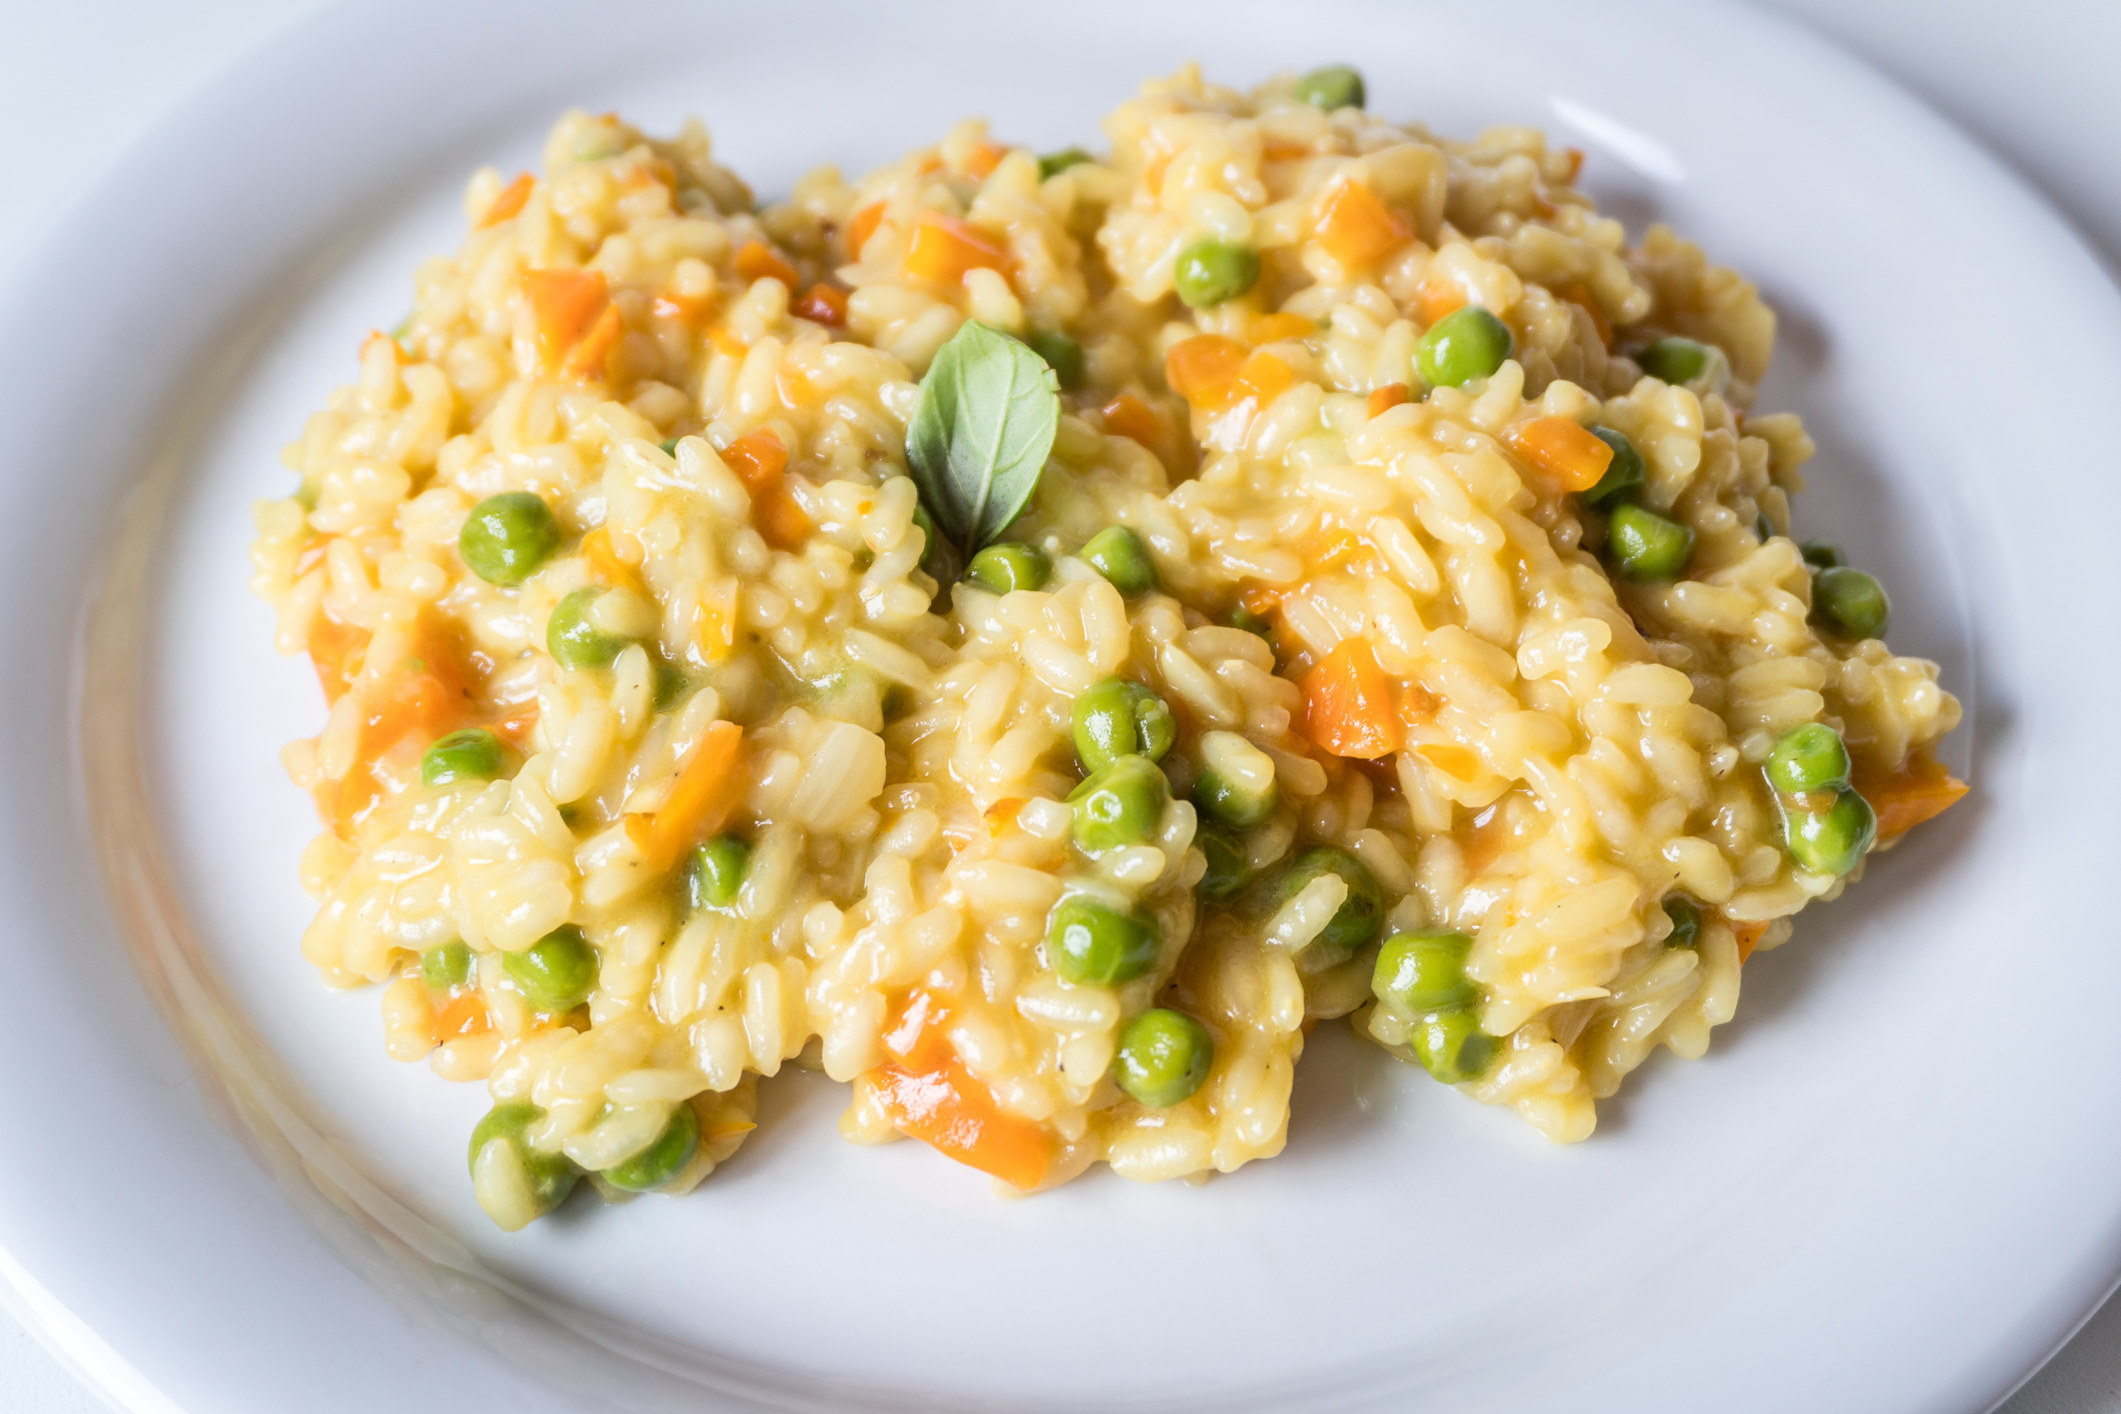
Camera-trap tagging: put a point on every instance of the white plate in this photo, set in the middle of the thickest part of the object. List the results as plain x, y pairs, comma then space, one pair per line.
1894, 1184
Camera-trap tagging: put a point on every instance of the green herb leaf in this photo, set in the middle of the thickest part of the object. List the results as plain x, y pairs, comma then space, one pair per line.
979, 439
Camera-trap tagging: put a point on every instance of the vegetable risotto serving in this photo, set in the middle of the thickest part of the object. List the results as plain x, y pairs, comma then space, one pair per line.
1030, 635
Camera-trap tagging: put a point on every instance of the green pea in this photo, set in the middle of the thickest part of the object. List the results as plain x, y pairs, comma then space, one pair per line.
473, 754
1451, 1046
552, 1176
1241, 617
657, 1164
670, 446
573, 640
1089, 942
1053, 163
1062, 354
1211, 272
1424, 971
1686, 921
446, 966
1120, 718
1850, 602
1229, 868
1360, 917
506, 537
939, 558
1763, 528
670, 685
1821, 554
1009, 565
1121, 804
1680, 361
1118, 554
714, 872
1645, 545
1832, 840
1228, 790
556, 972
1624, 475
1808, 758
1163, 1057
1334, 86
1467, 344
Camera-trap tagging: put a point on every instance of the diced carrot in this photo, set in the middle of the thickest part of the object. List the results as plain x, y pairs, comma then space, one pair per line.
508, 202
1417, 703
983, 159
1260, 599
515, 727
567, 302
1576, 292
1919, 789
1565, 450
1345, 546
698, 805
760, 460
377, 339
422, 696
1748, 936
1348, 703
684, 308
822, 304
1457, 762
1262, 379
950, 1110
465, 1014
335, 650
1273, 328
918, 1034
1357, 228
587, 359
603, 557
944, 248
862, 225
1284, 151
727, 341
758, 457
755, 260
1383, 400
1203, 369
1436, 298
1130, 417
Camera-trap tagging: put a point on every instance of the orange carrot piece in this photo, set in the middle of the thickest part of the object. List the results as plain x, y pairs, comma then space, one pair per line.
1284, 151
707, 790
1565, 450
1383, 400
951, 1111
944, 249
465, 1014
567, 303
1273, 328
684, 308
1128, 416
1455, 761
335, 650
1204, 369
604, 558
1358, 229
755, 260
822, 304
758, 458
424, 697
1748, 936
1436, 298
982, 160
1349, 706
1262, 379
586, 361
918, 1034
1919, 789
862, 225
508, 202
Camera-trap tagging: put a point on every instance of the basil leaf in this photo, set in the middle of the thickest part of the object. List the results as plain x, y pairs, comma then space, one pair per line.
980, 436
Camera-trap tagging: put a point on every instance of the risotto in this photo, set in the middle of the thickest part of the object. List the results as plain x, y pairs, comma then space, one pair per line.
1029, 636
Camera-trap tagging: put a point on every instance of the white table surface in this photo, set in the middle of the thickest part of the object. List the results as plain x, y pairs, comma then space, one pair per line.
2033, 81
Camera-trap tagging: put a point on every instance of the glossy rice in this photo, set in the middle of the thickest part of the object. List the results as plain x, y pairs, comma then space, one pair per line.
1571, 748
